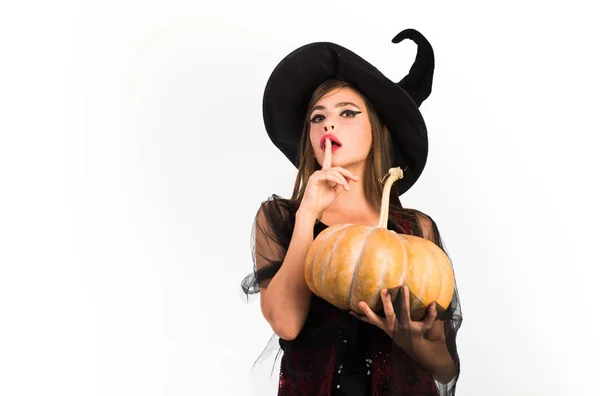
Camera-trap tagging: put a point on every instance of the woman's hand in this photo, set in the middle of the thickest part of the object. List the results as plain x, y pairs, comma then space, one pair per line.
401, 328
325, 185
424, 341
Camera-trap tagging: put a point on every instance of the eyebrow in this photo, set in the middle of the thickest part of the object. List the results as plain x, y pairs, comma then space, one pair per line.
341, 104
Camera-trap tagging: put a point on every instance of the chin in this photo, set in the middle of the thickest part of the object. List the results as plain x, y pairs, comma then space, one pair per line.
345, 163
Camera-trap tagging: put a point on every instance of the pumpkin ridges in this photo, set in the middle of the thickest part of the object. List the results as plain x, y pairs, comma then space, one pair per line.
395, 275
431, 273
447, 278
427, 272
406, 267
441, 273
410, 275
323, 254
375, 259
309, 264
418, 267
314, 248
430, 261
340, 272
383, 265
329, 276
332, 246
421, 270
352, 304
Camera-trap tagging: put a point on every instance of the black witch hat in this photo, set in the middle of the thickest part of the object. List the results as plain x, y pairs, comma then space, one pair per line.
298, 75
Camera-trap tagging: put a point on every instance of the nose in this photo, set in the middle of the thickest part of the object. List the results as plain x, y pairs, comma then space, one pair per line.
330, 128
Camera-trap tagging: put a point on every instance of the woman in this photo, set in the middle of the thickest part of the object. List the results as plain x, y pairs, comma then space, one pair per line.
343, 124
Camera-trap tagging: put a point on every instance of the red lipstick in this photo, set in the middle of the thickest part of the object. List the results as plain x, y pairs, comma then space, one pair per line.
335, 143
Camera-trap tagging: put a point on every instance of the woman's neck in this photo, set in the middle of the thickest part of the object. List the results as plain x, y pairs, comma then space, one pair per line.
351, 207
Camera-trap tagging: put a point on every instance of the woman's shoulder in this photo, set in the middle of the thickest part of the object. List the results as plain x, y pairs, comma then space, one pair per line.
417, 221
420, 223
420, 215
276, 210
278, 204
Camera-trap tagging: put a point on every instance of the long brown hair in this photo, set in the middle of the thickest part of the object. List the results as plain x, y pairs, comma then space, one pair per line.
379, 159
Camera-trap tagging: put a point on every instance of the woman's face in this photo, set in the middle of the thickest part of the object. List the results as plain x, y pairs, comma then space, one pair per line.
341, 115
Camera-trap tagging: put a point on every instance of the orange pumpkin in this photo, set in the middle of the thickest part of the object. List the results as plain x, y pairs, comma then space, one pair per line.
349, 263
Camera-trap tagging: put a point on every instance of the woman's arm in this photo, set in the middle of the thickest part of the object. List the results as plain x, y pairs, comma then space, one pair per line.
286, 300
433, 355
437, 358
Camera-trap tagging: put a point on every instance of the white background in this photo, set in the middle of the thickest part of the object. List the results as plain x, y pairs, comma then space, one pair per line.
133, 158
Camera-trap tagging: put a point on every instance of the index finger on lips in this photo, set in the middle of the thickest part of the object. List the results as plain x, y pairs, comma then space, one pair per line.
327, 159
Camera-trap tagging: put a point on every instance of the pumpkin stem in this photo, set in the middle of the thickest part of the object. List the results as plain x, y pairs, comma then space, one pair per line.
393, 175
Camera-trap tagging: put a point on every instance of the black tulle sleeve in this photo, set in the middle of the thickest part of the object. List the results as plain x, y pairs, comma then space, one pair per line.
271, 235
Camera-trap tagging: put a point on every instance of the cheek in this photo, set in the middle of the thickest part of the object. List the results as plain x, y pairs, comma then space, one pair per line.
314, 139
365, 136
314, 142
369, 139
366, 145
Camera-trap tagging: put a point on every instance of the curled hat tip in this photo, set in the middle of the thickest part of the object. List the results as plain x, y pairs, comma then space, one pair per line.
411, 34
